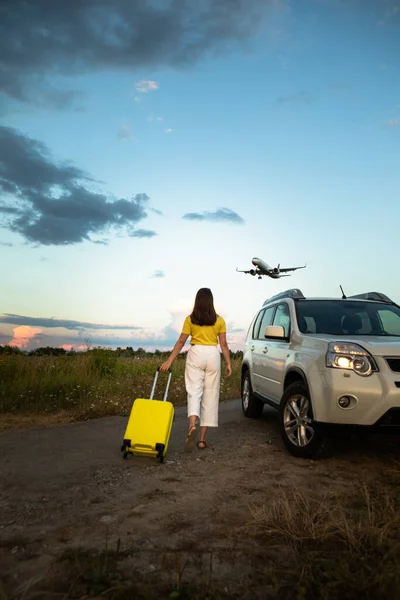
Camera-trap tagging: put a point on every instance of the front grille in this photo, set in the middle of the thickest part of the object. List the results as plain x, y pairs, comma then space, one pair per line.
394, 364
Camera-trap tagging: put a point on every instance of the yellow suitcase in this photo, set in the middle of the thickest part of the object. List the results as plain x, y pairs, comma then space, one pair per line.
149, 425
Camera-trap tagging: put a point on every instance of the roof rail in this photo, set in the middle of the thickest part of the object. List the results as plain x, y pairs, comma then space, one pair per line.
373, 296
293, 293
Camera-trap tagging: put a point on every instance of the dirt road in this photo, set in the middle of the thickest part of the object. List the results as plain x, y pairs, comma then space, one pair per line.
67, 487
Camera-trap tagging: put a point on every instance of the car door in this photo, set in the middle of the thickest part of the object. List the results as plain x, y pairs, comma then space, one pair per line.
254, 350
260, 353
277, 351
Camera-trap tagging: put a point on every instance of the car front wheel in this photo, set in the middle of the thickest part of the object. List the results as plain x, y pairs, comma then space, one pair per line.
298, 430
252, 407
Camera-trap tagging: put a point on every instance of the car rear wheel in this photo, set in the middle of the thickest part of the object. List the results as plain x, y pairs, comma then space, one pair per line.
298, 430
252, 407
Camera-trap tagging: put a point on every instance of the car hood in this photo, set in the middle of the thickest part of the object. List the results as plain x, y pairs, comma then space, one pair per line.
374, 344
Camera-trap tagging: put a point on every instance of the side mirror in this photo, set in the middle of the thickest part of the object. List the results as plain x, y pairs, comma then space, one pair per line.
275, 331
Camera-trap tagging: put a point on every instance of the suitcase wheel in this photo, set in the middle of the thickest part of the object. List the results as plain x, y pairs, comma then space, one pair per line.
126, 444
160, 452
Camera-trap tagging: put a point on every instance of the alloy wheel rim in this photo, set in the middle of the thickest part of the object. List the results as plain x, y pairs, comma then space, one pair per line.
297, 421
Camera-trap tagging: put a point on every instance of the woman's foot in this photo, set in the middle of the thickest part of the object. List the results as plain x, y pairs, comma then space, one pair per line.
202, 444
191, 439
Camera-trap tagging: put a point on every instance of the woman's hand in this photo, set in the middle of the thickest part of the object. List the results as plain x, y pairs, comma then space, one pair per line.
177, 348
228, 371
166, 365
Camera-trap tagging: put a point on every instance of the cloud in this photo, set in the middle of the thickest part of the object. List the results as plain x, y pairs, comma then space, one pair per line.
125, 133
49, 323
143, 233
44, 39
28, 340
43, 95
158, 275
69, 347
30, 332
156, 211
25, 336
220, 215
152, 119
145, 86
6, 243
145, 340
297, 98
393, 122
60, 333
56, 203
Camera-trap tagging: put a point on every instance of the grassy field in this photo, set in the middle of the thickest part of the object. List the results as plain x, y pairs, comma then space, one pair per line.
92, 384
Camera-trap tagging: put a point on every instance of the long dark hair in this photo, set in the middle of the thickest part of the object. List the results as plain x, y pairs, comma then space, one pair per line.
203, 311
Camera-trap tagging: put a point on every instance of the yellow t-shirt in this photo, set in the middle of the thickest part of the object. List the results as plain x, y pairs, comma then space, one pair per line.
205, 335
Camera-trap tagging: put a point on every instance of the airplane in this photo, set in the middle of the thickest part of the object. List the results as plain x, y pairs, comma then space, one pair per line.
263, 269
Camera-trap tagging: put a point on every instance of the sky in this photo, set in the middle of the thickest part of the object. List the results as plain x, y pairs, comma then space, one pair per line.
150, 148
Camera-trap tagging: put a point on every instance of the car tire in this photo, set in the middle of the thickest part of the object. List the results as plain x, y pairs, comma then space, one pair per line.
252, 407
298, 431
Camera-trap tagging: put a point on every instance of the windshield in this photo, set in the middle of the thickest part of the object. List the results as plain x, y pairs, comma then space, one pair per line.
341, 317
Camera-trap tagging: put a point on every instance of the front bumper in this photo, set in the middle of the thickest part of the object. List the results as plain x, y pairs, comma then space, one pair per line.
375, 397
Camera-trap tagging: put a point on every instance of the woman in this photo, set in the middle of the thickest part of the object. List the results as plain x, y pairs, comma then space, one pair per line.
203, 365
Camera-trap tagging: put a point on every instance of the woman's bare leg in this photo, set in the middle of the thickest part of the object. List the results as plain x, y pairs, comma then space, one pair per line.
192, 434
202, 438
193, 420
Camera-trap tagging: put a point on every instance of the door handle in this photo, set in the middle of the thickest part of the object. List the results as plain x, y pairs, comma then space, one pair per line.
265, 350
252, 348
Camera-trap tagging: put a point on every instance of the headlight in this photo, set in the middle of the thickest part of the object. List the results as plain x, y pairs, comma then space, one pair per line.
352, 357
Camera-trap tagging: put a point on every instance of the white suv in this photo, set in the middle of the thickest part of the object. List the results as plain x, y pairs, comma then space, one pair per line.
323, 362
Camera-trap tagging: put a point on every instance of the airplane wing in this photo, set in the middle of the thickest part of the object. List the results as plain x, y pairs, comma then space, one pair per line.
291, 269
252, 271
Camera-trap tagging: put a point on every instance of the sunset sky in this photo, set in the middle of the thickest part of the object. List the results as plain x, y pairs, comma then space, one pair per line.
148, 148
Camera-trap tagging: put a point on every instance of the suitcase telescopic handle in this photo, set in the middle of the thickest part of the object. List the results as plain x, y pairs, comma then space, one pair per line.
155, 383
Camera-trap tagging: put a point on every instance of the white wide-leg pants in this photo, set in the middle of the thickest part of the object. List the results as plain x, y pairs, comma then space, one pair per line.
202, 380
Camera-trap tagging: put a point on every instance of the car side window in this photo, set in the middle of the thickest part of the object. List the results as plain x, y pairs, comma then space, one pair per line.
267, 320
390, 322
282, 317
256, 326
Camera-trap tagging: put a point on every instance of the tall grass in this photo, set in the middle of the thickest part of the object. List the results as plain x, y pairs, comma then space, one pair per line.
95, 383
340, 547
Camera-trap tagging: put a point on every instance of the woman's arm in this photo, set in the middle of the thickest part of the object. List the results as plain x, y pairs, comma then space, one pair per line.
225, 351
177, 348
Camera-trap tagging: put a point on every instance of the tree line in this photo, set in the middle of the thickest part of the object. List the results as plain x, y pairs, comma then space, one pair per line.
128, 352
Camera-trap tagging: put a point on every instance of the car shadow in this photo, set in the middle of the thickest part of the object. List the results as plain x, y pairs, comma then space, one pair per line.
345, 444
